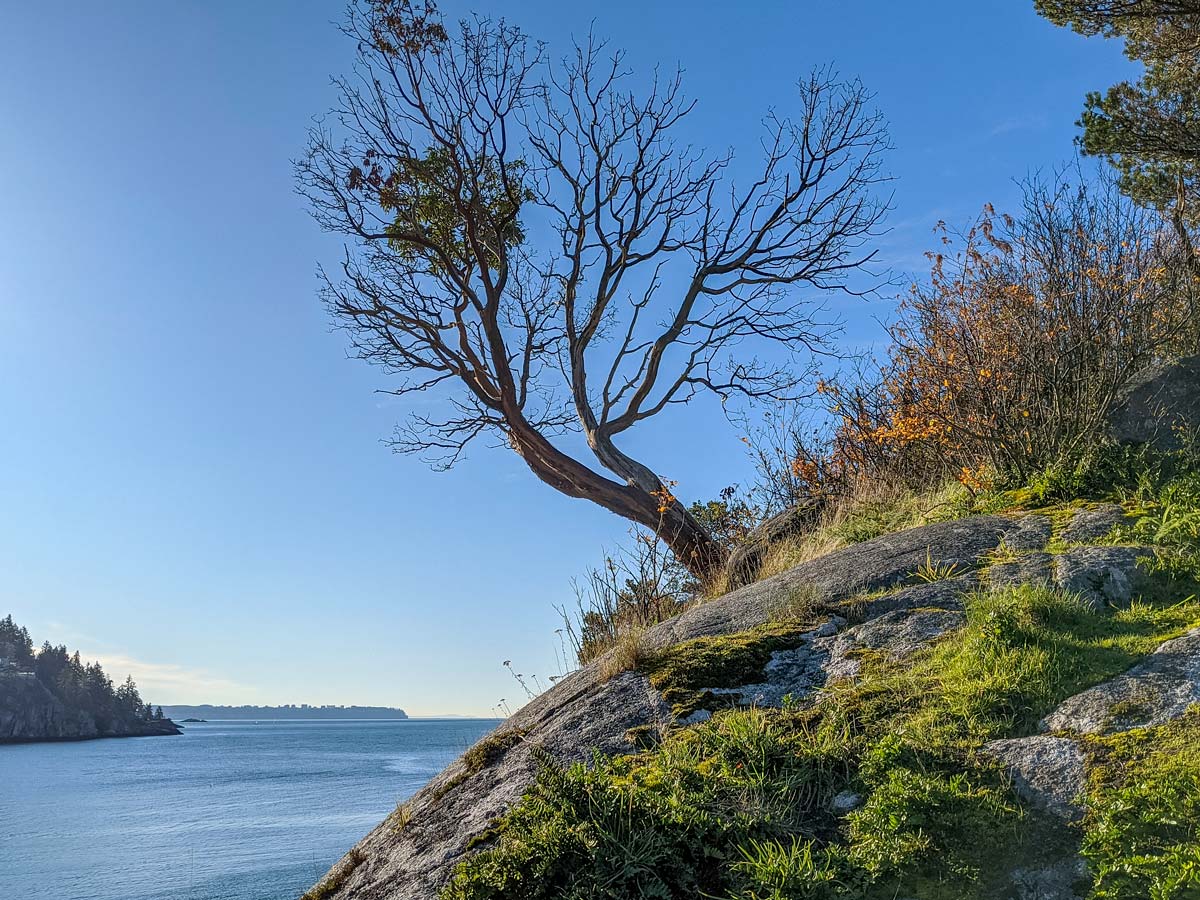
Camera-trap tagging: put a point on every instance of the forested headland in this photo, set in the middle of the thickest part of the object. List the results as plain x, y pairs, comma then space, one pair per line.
50, 693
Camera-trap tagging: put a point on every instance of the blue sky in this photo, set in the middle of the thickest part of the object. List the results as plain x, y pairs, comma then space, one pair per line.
192, 478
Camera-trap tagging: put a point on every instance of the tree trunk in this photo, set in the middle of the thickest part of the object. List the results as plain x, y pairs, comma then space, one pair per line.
691, 543
1191, 264
653, 508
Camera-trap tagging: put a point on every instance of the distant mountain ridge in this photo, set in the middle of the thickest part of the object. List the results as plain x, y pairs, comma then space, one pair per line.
208, 711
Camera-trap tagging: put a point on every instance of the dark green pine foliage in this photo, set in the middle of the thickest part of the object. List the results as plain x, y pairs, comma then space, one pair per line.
81, 687
1149, 129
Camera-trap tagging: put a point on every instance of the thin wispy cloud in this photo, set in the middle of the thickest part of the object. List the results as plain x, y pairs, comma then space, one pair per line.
168, 682
1020, 123
159, 682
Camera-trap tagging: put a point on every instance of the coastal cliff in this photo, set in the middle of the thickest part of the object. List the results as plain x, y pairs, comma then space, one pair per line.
29, 712
51, 694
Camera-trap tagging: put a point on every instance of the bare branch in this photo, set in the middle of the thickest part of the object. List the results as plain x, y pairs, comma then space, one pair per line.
451, 150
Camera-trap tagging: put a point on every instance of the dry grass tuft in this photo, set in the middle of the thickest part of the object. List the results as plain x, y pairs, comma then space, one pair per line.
337, 876
872, 509
625, 655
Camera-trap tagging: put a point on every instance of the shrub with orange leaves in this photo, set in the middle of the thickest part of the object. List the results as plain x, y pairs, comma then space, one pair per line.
1008, 359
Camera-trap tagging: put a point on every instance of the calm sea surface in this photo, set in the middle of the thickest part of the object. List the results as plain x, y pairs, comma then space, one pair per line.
227, 811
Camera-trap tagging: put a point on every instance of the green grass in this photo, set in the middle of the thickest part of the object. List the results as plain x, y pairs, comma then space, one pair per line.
1142, 832
740, 806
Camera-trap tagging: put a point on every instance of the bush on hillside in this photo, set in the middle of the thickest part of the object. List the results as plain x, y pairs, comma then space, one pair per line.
1008, 359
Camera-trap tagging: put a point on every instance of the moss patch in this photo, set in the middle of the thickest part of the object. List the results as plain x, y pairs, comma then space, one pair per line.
1142, 831
483, 754
684, 673
491, 748
741, 805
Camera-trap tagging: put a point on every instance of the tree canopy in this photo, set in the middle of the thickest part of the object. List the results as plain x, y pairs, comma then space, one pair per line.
533, 241
1149, 129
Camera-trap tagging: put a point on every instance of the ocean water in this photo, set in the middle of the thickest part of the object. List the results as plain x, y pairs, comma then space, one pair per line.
226, 811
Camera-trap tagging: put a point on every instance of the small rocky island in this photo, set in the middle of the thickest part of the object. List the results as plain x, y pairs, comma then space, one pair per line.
52, 695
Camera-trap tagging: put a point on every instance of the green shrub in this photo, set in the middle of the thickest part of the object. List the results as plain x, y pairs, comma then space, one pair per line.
1142, 833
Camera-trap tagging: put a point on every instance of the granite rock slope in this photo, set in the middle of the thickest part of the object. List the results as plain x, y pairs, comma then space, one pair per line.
872, 597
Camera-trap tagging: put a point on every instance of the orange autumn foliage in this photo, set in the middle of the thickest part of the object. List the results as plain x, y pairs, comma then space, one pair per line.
1008, 358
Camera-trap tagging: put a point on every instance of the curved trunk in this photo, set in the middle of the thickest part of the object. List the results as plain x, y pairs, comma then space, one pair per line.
643, 499
691, 543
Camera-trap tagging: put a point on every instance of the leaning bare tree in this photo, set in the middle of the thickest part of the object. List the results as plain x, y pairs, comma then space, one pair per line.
532, 235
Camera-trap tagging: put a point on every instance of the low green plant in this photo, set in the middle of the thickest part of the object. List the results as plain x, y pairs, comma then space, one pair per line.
1023, 650
1167, 517
1105, 472
740, 806
1142, 831
1003, 553
491, 748
792, 869
1172, 518
930, 570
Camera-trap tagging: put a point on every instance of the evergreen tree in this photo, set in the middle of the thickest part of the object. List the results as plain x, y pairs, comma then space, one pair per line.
15, 644
1148, 129
100, 696
129, 701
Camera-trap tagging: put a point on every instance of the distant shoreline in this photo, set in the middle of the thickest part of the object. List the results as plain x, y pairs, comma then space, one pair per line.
285, 713
346, 719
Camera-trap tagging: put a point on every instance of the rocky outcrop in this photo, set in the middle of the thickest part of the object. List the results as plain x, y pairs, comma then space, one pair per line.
29, 712
878, 602
746, 558
1103, 576
1090, 526
1159, 404
1047, 771
1155, 691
